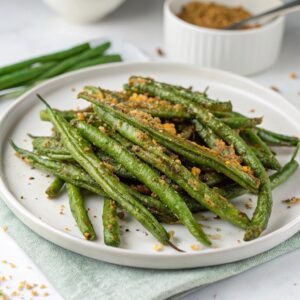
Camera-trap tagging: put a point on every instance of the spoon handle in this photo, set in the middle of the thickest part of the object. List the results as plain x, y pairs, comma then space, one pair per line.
278, 11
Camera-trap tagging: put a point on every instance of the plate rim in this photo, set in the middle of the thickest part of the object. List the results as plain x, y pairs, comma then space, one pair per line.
31, 220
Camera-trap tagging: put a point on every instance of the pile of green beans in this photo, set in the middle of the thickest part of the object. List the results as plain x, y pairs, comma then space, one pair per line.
25, 74
160, 165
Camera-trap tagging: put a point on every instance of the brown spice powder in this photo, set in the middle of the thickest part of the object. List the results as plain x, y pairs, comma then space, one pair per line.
212, 15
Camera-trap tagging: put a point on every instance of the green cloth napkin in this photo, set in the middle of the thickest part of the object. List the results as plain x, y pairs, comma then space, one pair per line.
77, 277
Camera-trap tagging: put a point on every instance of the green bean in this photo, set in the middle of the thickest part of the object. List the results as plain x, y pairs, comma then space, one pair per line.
74, 60
213, 141
276, 139
49, 145
79, 213
212, 178
264, 204
67, 172
254, 140
82, 153
183, 177
196, 189
54, 149
55, 187
111, 230
67, 114
199, 154
264, 158
23, 76
56, 56
97, 61
187, 132
232, 191
241, 122
193, 96
146, 175
78, 177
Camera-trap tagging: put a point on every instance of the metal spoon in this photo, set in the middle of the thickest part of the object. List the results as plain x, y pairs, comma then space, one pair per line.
278, 11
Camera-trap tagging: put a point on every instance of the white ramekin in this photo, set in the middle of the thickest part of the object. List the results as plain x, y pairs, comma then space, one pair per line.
83, 11
241, 51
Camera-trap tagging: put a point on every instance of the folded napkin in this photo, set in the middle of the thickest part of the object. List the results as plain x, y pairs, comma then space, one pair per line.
77, 277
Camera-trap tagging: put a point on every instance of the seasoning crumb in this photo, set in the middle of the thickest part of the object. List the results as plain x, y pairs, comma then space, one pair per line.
196, 247
275, 88
216, 236
31, 178
293, 75
218, 229
73, 89
15, 294
252, 110
292, 201
248, 205
34, 293
160, 52
239, 241
42, 286
46, 294
67, 229
5, 228
127, 230
13, 266
158, 247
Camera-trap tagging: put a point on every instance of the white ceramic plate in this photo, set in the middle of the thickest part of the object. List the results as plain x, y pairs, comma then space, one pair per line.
26, 198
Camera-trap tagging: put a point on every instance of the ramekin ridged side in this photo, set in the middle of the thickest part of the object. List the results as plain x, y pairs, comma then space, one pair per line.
243, 51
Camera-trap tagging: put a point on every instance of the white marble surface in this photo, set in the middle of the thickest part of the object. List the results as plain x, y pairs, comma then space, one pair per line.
28, 28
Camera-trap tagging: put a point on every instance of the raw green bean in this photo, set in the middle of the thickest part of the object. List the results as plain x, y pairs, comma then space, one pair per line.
264, 204
146, 175
200, 155
276, 139
79, 213
82, 153
111, 230
23, 76
97, 61
56, 56
74, 60
55, 187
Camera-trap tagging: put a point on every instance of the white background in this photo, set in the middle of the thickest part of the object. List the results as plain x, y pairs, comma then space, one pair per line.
28, 28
